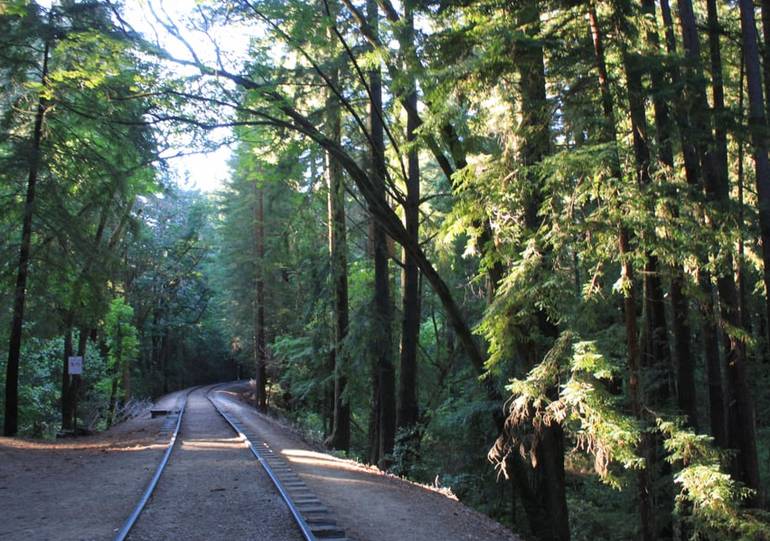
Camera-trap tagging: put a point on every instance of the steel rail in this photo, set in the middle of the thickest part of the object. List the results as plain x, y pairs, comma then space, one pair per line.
131, 520
301, 523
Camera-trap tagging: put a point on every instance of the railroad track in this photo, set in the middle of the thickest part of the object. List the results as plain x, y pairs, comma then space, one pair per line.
313, 519
172, 424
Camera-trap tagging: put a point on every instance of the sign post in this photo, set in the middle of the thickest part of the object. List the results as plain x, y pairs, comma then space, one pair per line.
75, 367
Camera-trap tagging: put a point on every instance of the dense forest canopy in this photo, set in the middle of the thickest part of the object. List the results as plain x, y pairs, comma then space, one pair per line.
516, 248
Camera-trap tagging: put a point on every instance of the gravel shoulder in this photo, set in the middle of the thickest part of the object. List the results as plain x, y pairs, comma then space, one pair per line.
79, 488
370, 505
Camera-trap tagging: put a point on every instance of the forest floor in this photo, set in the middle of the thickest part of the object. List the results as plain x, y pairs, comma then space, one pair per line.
84, 488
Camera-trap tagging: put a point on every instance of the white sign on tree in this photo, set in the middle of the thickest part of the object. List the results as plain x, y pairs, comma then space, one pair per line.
75, 366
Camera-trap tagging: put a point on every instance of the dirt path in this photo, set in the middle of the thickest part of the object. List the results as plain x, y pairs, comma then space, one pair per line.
370, 506
213, 488
80, 488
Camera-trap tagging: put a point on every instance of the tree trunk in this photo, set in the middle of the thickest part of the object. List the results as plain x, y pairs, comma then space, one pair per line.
740, 274
654, 308
717, 88
126, 363
340, 433
758, 129
693, 174
710, 330
117, 370
686, 395
69, 385
407, 413
646, 515
718, 423
758, 126
663, 127
742, 430
113, 401
259, 304
681, 113
382, 338
551, 518
659, 380
687, 402
11, 425
765, 5
77, 379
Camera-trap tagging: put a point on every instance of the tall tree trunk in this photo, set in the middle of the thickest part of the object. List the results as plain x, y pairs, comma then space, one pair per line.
741, 263
77, 378
718, 91
718, 422
374, 415
663, 126
713, 368
646, 515
654, 308
113, 400
120, 363
382, 341
164, 354
659, 380
406, 416
340, 433
693, 172
259, 304
765, 5
681, 112
686, 395
549, 519
758, 127
11, 425
742, 430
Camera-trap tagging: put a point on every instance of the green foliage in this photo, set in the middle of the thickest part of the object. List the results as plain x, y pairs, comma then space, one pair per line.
301, 372
709, 499
39, 391
121, 334
584, 406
